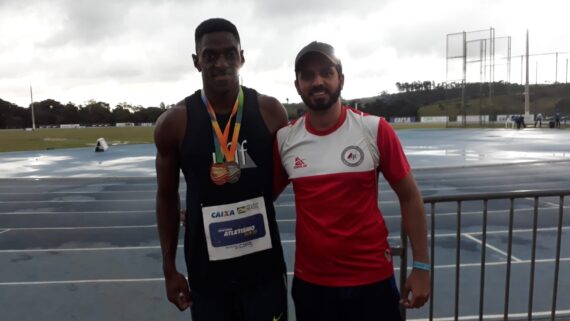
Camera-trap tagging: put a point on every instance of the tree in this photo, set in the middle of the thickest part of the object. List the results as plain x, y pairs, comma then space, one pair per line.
95, 112
48, 112
70, 114
121, 115
148, 115
127, 106
13, 116
399, 87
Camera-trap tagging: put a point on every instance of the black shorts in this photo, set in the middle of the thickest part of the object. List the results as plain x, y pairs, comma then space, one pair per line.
370, 302
265, 301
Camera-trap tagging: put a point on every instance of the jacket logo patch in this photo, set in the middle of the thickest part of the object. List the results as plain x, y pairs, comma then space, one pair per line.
388, 255
352, 156
299, 163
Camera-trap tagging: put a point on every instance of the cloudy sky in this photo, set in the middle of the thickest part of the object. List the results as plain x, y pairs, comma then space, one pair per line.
139, 51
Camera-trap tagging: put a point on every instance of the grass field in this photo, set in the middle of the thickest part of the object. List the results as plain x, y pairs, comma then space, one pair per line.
41, 139
20, 140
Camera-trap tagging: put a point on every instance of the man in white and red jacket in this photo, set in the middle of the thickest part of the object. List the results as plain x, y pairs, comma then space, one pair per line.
332, 156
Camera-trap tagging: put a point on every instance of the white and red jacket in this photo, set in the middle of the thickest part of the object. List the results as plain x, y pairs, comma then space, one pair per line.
341, 237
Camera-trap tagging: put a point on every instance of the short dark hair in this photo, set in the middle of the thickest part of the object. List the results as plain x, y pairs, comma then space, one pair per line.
215, 25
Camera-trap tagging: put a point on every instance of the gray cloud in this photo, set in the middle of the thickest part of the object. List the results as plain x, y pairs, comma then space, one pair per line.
89, 22
308, 11
148, 42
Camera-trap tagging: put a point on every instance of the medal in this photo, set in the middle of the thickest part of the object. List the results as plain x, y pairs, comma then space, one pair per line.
234, 172
221, 171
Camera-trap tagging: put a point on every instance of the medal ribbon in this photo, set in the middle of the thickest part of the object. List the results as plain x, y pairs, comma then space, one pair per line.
221, 139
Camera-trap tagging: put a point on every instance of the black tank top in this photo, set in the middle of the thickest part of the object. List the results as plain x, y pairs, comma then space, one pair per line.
255, 180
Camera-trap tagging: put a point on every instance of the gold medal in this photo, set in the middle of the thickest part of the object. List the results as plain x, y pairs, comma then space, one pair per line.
234, 172
219, 173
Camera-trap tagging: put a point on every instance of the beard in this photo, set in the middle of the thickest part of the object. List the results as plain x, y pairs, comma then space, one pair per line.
321, 104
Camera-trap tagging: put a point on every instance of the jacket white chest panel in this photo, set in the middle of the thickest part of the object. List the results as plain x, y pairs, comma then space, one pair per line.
351, 148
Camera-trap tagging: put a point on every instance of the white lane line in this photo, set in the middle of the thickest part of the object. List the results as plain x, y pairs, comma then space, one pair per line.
524, 230
518, 210
102, 227
81, 228
95, 249
542, 229
95, 281
4, 231
82, 281
292, 204
79, 192
74, 213
87, 249
492, 264
99, 183
480, 212
510, 316
505, 254
79, 201
288, 205
286, 241
289, 273
545, 202
554, 205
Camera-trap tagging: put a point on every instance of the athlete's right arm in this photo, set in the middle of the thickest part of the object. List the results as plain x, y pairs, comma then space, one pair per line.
168, 133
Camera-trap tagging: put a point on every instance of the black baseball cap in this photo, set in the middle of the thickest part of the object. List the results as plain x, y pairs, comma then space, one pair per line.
319, 47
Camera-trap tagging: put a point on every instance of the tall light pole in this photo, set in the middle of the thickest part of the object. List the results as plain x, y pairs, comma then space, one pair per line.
556, 73
522, 73
536, 74
526, 93
463, 99
32, 107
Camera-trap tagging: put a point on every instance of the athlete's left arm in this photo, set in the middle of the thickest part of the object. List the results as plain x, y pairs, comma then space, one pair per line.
413, 217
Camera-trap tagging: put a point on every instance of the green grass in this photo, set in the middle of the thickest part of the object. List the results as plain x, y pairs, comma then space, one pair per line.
501, 105
41, 139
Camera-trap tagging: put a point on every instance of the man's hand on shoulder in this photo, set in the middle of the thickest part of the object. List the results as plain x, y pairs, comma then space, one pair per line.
273, 113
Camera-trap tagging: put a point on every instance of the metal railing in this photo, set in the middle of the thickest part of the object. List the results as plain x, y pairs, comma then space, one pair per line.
535, 195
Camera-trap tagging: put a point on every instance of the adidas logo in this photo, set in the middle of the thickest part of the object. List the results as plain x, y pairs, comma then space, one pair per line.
299, 163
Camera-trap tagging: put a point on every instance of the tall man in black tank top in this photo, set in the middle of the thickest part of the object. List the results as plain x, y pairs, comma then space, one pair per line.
221, 138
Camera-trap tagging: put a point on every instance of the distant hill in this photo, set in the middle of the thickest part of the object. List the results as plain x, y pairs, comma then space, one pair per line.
445, 100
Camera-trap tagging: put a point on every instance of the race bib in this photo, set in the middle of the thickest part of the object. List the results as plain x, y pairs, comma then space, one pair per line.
237, 229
